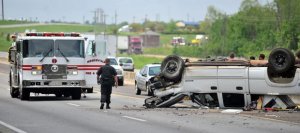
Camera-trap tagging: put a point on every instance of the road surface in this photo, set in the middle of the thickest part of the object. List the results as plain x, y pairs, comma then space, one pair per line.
48, 114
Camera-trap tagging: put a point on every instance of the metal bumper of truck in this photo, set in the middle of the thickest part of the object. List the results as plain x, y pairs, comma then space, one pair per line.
53, 83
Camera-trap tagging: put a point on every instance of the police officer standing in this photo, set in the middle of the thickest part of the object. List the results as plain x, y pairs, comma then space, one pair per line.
108, 79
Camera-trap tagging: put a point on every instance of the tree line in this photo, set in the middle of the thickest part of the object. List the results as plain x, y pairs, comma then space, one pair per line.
254, 29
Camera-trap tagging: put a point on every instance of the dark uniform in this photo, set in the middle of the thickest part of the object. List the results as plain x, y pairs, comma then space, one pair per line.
107, 73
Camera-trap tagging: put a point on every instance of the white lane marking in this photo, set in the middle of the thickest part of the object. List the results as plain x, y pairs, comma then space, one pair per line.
72, 104
133, 118
12, 127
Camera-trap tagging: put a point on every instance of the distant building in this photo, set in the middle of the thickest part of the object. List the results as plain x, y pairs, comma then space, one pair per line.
150, 39
182, 24
125, 28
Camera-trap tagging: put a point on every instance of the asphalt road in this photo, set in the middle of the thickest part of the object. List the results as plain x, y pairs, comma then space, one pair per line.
46, 113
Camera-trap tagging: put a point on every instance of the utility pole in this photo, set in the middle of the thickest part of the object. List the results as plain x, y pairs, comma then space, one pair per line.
2, 10
116, 31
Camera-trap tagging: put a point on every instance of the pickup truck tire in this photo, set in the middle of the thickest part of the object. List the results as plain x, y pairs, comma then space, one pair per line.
172, 68
281, 60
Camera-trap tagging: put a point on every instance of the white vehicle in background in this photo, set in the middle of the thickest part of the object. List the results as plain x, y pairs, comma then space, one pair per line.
119, 69
126, 63
142, 78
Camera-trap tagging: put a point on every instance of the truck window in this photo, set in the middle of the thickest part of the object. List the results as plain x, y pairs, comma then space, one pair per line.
91, 48
70, 48
37, 48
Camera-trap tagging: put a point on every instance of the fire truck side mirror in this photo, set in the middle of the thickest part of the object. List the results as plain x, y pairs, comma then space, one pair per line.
18, 46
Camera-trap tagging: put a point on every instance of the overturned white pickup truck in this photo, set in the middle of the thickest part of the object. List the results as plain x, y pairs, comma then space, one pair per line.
224, 83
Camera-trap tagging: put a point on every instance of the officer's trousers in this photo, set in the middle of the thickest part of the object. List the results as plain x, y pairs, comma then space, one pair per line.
105, 93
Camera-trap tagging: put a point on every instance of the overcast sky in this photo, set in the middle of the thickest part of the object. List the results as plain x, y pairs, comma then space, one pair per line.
127, 10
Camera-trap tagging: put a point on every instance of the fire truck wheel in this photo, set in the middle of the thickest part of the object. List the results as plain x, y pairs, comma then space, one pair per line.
14, 93
172, 68
281, 60
76, 94
25, 94
67, 94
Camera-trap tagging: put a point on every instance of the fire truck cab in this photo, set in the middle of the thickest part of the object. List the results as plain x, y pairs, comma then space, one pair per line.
47, 63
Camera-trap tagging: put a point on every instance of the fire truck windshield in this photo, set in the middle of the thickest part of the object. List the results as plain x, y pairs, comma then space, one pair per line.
69, 48
37, 48
62, 48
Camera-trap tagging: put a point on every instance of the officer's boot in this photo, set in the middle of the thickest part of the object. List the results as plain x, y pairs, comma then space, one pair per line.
107, 106
102, 105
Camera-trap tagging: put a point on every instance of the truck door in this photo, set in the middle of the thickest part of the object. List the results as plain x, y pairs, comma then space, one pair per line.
233, 86
201, 79
93, 61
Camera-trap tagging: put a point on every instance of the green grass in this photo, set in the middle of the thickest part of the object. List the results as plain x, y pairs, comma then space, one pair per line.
165, 49
9, 22
140, 60
4, 44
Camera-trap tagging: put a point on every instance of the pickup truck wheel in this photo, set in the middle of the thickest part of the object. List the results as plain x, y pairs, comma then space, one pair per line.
172, 68
138, 91
281, 60
76, 94
25, 94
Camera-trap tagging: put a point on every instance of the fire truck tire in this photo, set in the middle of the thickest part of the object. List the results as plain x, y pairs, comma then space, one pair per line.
67, 94
14, 93
172, 68
281, 60
25, 94
76, 94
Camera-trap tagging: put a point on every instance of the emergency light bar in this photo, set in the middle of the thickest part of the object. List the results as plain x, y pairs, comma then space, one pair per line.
50, 34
